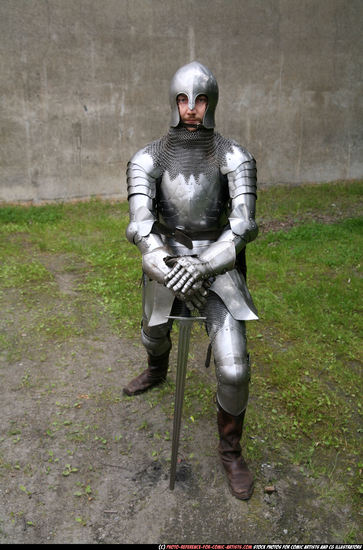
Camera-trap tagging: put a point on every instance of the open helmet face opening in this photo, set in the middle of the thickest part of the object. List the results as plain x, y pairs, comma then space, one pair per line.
193, 80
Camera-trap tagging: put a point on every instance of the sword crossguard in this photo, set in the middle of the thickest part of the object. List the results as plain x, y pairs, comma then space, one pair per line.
186, 319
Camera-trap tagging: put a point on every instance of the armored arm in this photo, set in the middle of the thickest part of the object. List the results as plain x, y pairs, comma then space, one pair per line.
240, 168
141, 188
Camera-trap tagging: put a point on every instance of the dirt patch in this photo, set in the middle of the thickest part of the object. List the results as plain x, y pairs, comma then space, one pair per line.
81, 463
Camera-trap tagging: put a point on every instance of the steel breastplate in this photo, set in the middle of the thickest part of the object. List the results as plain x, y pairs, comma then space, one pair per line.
192, 205
192, 193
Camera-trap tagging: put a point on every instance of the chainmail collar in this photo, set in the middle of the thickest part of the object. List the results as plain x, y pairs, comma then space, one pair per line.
181, 151
185, 136
189, 153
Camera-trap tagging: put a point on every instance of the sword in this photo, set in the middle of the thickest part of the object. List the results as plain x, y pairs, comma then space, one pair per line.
185, 325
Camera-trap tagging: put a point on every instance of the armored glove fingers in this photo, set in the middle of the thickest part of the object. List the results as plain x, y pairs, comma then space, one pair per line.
194, 300
187, 275
196, 296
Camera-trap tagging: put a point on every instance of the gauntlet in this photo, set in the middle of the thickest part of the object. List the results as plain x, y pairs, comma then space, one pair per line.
189, 272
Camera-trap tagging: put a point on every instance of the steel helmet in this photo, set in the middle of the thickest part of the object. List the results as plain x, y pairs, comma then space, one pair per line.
192, 80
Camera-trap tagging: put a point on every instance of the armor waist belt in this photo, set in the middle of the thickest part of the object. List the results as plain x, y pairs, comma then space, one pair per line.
184, 237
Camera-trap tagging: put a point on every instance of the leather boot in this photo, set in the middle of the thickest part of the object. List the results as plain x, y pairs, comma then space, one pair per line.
239, 477
155, 374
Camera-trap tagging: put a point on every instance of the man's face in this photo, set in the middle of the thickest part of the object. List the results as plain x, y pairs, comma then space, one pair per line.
192, 116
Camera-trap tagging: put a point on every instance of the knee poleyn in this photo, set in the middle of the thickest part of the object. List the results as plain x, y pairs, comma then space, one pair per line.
236, 373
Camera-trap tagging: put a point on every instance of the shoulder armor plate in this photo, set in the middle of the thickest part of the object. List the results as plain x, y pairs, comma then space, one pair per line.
235, 156
142, 171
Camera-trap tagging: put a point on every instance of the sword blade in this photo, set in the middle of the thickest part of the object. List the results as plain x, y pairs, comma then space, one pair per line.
181, 370
185, 326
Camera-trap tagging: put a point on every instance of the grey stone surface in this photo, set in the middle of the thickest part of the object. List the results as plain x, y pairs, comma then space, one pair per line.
84, 84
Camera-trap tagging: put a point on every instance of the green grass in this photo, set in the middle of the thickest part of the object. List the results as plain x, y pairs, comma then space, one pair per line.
16, 273
306, 281
309, 202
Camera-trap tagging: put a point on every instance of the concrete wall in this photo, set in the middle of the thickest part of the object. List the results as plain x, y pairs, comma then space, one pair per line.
84, 84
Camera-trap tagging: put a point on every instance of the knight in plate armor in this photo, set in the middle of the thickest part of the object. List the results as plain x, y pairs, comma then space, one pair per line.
192, 196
